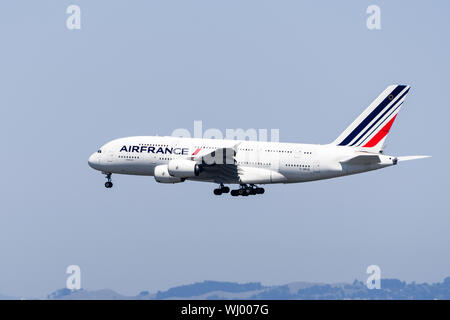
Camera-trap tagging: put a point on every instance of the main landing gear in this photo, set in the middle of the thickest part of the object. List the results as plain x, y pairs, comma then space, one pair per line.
108, 184
244, 190
247, 190
221, 189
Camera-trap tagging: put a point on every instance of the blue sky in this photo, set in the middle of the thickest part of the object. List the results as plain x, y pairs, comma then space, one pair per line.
307, 68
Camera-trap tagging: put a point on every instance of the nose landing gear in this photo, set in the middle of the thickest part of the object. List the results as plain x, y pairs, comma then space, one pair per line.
108, 184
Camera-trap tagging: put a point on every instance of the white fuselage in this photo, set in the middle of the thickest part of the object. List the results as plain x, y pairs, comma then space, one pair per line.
256, 162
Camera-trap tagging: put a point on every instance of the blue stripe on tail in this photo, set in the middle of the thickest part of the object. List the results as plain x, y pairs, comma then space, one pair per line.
380, 118
372, 115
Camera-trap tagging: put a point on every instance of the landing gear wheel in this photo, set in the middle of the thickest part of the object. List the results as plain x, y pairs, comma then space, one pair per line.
222, 189
217, 192
108, 184
259, 190
247, 190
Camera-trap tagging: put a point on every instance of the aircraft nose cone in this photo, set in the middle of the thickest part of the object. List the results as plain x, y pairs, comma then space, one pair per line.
93, 161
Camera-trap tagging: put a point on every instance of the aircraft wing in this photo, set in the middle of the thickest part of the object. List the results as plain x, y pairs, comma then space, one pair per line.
218, 165
223, 173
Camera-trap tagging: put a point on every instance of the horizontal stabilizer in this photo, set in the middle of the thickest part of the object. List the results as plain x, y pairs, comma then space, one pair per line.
406, 158
363, 159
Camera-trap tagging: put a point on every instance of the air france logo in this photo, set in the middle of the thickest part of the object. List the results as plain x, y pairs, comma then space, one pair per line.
166, 150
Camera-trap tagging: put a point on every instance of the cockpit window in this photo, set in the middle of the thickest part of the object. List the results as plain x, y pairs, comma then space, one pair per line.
99, 151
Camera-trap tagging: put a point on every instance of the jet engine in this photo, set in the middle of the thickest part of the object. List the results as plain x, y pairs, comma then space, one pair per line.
182, 168
162, 175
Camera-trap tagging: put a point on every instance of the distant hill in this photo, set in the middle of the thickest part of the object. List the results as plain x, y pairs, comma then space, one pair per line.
66, 294
390, 289
208, 287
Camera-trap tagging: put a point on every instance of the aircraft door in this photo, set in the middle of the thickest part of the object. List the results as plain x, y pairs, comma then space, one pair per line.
316, 167
109, 156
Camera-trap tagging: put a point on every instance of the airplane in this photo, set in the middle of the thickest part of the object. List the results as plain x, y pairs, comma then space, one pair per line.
358, 149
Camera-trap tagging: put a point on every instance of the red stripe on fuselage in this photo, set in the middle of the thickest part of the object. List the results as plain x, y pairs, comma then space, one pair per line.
380, 134
196, 151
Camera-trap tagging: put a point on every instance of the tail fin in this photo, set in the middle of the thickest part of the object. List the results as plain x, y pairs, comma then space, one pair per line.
370, 129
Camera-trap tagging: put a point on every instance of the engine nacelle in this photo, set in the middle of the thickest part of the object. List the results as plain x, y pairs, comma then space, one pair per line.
162, 175
182, 168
